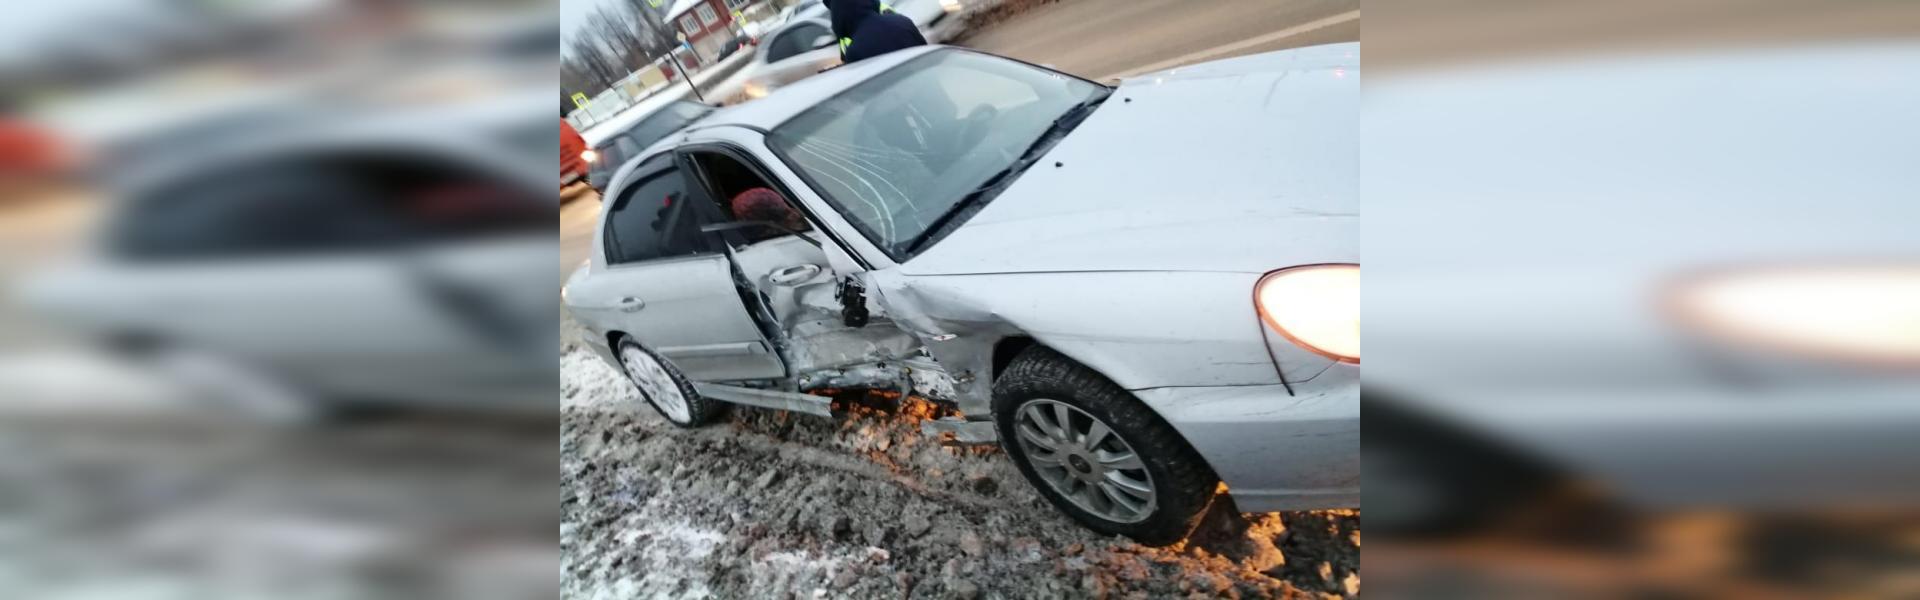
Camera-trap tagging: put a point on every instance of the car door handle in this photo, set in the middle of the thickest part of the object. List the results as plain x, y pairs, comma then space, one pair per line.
793, 275
630, 304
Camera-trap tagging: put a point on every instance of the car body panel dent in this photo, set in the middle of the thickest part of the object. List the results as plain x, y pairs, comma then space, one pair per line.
1275, 451
1207, 333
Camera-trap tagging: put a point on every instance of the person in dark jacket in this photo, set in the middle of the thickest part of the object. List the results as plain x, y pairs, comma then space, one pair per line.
866, 31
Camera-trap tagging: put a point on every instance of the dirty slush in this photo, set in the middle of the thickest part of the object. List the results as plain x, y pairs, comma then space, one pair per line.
766, 504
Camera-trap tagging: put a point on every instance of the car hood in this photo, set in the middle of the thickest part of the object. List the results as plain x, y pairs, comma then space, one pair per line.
1247, 164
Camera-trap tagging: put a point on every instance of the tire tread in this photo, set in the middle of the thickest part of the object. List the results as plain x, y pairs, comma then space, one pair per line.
700, 410
1185, 484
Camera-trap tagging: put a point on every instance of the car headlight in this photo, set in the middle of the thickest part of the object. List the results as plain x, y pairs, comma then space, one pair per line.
1315, 306
951, 5
589, 155
755, 90
1859, 313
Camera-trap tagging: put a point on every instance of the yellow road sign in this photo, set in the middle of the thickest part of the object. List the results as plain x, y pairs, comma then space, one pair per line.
580, 100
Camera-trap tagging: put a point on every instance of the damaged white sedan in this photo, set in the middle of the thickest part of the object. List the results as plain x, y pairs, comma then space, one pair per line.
1140, 291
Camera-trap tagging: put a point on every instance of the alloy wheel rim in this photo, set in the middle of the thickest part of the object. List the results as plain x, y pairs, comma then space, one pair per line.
655, 384
1084, 460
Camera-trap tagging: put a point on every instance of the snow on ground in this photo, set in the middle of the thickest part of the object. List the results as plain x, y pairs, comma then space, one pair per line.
420, 506
769, 504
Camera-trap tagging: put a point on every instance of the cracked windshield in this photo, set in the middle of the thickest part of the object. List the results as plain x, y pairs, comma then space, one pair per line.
899, 152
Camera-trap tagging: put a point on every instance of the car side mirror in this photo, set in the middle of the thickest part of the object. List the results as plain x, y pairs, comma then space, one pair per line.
822, 41
738, 225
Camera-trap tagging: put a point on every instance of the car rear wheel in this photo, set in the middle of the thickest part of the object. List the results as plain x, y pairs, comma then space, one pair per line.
664, 387
1097, 453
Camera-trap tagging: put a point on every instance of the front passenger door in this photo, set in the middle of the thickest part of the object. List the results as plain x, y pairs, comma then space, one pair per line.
671, 286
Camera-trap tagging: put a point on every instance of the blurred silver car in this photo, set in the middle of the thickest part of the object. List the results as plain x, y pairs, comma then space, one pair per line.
1140, 291
292, 261
792, 52
1745, 347
613, 150
804, 44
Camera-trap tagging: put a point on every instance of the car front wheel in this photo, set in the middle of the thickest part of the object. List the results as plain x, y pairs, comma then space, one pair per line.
1097, 453
664, 387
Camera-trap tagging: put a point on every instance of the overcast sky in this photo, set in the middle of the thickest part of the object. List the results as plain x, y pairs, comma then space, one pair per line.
28, 25
573, 14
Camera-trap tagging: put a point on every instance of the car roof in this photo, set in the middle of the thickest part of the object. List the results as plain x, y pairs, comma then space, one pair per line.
769, 112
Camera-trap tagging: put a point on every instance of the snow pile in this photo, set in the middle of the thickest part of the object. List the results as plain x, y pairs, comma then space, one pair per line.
768, 504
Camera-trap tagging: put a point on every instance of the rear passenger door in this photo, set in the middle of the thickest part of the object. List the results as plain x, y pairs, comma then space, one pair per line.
671, 286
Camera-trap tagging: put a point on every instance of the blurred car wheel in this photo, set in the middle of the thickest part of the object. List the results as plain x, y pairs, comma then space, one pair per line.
1426, 477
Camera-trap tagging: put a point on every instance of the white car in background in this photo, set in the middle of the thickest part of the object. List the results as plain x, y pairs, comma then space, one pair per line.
289, 264
804, 43
793, 52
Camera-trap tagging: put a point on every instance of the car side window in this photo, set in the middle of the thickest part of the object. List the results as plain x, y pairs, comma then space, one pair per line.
655, 217
742, 194
794, 42
627, 147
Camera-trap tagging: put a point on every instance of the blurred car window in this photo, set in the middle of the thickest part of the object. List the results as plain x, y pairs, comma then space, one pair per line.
319, 206
668, 119
620, 148
533, 141
625, 146
794, 41
262, 211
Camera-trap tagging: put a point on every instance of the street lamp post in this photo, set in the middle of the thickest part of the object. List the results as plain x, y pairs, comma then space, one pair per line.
682, 70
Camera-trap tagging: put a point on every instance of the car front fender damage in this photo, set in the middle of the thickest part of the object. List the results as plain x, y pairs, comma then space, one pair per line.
958, 333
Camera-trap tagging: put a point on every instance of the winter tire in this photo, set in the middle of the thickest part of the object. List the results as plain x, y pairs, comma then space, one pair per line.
1097, 453
664, 387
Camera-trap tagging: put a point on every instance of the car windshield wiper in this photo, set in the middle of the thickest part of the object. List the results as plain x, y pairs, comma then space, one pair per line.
1061, 125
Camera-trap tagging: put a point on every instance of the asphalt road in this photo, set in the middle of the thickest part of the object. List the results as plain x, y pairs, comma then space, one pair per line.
1107, 38
1104, 38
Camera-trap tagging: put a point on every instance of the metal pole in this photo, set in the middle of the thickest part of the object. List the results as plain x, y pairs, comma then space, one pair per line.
683, 75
